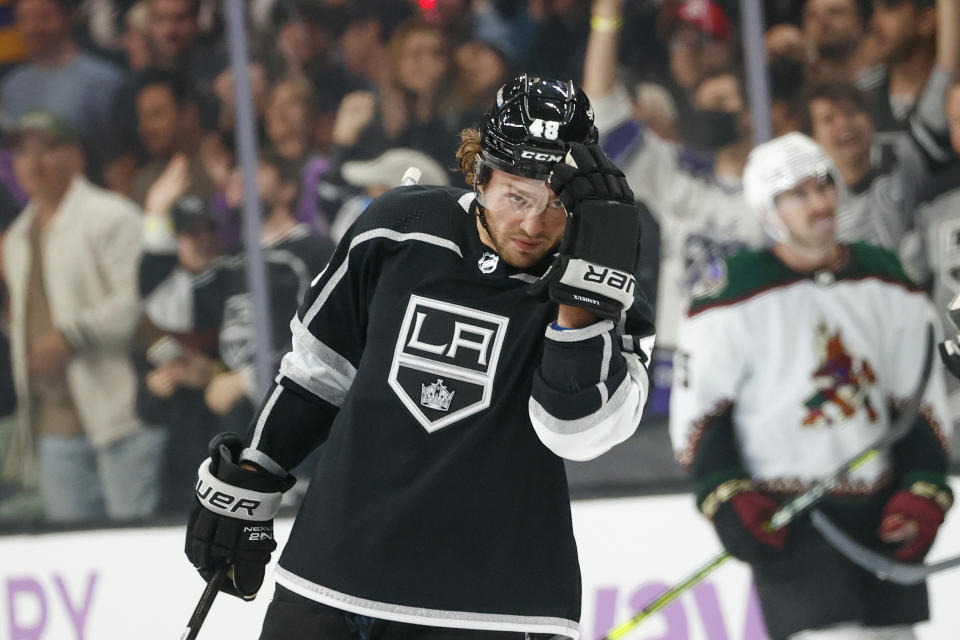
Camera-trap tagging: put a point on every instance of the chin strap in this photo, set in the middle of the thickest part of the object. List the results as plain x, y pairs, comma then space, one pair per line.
478, 211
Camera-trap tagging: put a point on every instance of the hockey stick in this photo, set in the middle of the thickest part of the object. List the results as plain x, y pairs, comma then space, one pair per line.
876, 563
787, 513
203, 605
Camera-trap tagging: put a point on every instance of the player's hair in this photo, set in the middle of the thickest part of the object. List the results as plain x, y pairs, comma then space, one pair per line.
467, 155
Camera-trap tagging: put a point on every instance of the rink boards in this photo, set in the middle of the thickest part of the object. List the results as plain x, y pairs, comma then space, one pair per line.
136, 583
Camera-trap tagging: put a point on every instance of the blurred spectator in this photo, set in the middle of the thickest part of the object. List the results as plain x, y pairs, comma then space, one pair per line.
12, 49
886, 191
172, 39
369, 27
934, 254
410, 110
556, 31
136, 46
379, 175
695, 198
61, 78
452, 17
302, 39
70, 263
905, 32
834, 32
224, 89
172, 35
290, 122
700, 38
480, 68
287, 118
168, 122
413, 111
180, 355
786, 58
293, 256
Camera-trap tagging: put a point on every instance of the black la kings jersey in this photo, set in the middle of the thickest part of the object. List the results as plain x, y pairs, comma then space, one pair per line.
445, 402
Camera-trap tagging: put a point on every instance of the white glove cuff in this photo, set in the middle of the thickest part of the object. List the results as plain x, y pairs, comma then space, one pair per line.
604, 281
234, 502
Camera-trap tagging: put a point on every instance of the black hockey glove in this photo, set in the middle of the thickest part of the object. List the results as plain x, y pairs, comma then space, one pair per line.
596, 266
232, 518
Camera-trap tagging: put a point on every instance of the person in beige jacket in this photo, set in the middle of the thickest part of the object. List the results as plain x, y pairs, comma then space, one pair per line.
70, 263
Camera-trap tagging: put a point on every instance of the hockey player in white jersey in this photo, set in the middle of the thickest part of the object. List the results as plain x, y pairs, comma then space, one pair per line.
793, 362
445, 396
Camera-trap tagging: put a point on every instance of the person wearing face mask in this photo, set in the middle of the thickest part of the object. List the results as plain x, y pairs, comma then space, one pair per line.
694, 196
794, 362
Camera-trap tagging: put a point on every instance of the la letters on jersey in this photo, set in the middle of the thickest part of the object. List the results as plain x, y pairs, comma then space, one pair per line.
445, 360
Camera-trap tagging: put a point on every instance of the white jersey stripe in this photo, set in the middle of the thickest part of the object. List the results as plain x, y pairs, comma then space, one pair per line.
423, 616
360, 239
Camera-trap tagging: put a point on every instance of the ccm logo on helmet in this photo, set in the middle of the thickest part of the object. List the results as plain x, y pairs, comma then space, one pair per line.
540, 156
610, 278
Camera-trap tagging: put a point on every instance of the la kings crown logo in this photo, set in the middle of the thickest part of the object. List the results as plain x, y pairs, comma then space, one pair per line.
445, 361
436, 396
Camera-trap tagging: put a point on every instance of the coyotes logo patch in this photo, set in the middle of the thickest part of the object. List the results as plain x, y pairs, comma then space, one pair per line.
842, 381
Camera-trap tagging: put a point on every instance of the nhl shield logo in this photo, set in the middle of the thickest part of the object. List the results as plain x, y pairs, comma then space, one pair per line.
488, 262
445, 361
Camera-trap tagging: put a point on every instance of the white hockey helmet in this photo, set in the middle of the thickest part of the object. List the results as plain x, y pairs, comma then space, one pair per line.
780, 165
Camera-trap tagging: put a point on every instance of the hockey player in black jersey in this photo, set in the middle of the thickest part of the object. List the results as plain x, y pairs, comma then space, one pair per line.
457, 347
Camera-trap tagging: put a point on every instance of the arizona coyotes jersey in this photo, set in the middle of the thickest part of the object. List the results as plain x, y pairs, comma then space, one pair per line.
445, 401
803, 371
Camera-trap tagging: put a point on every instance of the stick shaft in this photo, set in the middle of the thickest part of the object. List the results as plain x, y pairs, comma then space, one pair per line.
204, 604
668, 596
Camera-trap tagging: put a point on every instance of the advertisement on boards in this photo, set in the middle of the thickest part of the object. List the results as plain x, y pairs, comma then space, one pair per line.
136, 583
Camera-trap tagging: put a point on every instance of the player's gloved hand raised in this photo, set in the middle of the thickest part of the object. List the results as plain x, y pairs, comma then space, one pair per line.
232, 517
741, 524
597, 262
912, 520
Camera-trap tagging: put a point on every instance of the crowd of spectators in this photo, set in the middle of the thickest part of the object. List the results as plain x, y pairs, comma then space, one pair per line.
128, 335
